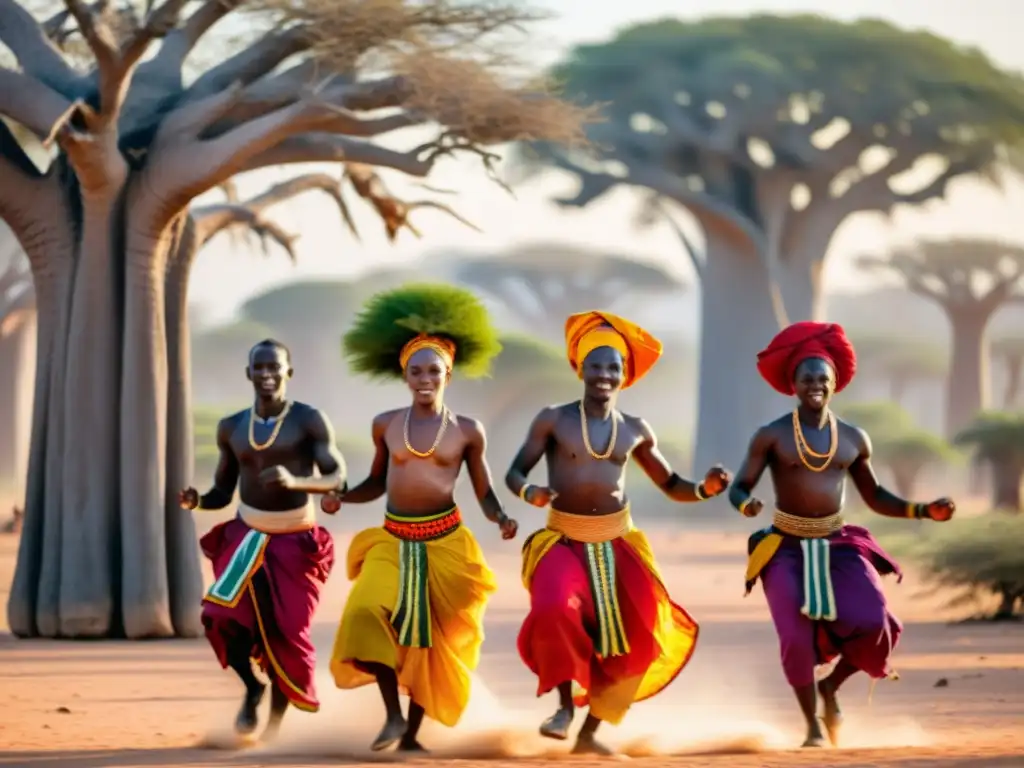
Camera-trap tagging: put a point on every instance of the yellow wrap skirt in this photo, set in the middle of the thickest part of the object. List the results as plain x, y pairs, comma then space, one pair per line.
417, 606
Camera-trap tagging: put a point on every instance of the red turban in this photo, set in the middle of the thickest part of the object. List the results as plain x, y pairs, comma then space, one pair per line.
777, 363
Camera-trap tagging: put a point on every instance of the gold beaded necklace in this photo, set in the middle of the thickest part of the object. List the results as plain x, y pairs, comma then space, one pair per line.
437, 440
586, 435
803, 449
273, 435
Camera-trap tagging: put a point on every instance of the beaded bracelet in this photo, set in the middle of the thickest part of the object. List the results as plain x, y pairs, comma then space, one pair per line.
743, 506
698, 491
916, 511
525, 490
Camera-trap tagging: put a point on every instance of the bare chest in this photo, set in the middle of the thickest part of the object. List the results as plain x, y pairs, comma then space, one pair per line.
421, 443
815, 450
267, 445
581, 442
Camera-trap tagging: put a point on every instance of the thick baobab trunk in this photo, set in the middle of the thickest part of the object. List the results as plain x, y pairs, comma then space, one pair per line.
100, 554
143, 443
183, 570
967, 384
17, 374
904, 477
33, 606
1014, 368
90, 547
1007, 476
737, 321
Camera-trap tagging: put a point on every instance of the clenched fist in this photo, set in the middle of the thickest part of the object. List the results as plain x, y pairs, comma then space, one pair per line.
716, 480
188, 498
941, 510
330, 502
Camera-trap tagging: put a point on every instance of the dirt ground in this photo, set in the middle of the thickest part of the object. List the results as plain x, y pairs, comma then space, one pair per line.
959, 702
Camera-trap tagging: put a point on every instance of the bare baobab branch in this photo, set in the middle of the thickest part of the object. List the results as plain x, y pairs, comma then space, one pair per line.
36, 106
212, 219
37, 56
252, 63
392, 211
179, 42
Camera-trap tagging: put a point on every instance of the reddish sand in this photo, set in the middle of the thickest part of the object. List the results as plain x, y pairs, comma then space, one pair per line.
168, 704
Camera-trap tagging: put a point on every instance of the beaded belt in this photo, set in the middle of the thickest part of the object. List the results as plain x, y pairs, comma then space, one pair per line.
423, 528
808, 527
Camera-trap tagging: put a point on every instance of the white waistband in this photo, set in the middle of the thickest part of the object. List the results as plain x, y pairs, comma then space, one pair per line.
288, 521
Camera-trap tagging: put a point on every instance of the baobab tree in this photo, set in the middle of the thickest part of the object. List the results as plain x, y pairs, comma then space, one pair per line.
543, 284
998, 439
108, 236
1010, 351
903, 362
17, 357
771, 131
969, 279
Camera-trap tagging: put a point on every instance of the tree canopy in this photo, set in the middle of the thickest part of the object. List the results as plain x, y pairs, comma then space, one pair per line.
969, 278
544, 283
771, 131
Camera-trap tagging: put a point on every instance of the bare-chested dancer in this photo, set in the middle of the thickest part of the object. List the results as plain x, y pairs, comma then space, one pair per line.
272, 559
600, 616
820, 576
414, 617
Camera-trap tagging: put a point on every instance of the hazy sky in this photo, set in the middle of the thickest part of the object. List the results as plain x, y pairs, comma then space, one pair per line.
226, 275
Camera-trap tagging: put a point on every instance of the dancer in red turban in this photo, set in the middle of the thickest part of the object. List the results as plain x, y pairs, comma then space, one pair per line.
820, 576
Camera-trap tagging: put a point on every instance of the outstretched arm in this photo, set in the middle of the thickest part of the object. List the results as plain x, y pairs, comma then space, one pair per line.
753, 466
326, 456
542, 430
375, 485
656, 466
878, 498
225, 477
480, 472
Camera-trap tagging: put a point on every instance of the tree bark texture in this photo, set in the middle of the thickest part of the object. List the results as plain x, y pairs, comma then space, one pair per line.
105, 550
1007, 476
968, 382
737, 321
17, 372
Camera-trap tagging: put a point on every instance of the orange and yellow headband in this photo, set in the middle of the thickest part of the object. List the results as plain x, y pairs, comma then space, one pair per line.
602, 336
443, 347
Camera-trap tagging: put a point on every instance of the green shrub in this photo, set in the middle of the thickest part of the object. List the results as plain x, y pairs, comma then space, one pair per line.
975, 557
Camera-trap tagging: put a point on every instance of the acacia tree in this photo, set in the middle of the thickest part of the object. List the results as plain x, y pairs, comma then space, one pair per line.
771, 131
969, 279
110, 242
902, 361
543, 284
1010, 350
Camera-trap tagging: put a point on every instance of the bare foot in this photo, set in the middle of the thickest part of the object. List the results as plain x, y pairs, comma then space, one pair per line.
390, 734
248, 717
410, 744
833, 716
815, 740
557, 726
587, 744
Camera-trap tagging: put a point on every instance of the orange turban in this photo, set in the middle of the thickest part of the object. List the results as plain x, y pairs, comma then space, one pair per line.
777, 363
586, 331
444, 348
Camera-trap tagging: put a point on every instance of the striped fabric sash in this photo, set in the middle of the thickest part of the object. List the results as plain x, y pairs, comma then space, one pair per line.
819, 597
611, 631
248, 557
411, 614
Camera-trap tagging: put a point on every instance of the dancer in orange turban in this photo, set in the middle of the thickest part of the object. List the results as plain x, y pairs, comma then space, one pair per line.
820, 575
600, 616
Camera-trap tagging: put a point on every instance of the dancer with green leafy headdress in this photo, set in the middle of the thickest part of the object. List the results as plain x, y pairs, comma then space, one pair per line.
413, 620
